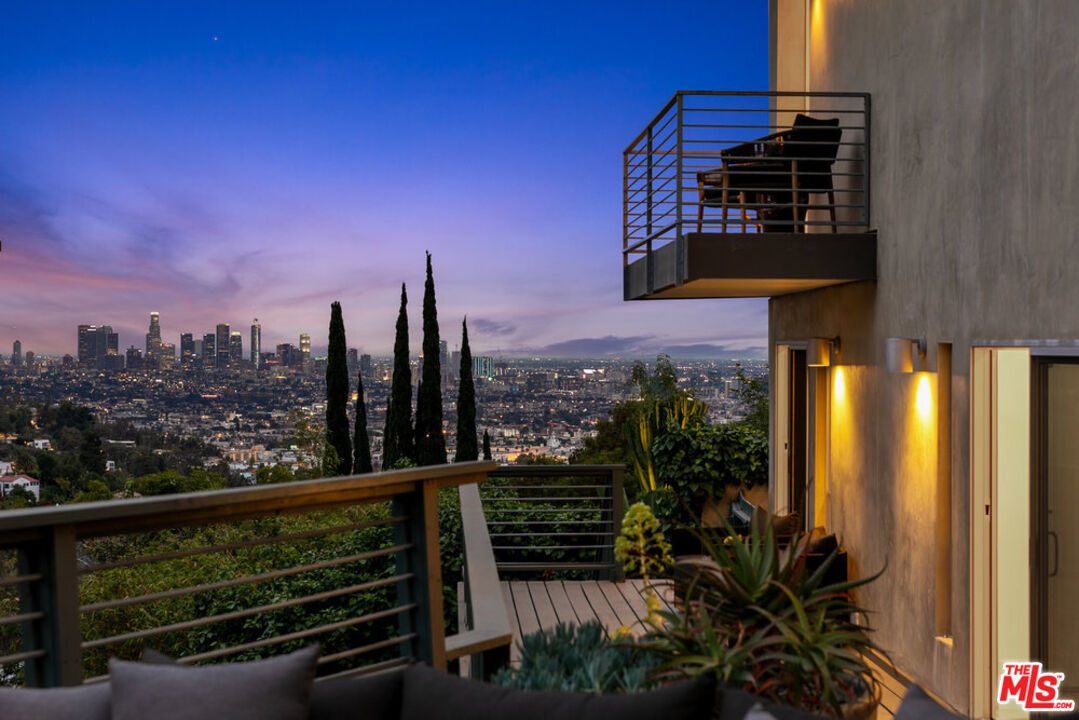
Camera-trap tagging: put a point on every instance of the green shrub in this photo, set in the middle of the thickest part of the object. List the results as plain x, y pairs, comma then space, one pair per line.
577, 659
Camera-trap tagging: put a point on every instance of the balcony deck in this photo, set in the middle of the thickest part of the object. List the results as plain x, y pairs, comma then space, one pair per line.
727, 265
748, 194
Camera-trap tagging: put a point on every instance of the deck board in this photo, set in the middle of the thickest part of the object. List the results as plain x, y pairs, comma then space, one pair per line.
561, 604
541, 601
602, 608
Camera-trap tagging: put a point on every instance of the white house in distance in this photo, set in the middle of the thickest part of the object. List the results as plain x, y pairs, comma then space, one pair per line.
7, 467
27, 483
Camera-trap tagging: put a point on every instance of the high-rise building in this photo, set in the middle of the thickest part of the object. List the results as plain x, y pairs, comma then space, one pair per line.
286, 353
166, 356
483, 367
236, 348
187, 349
305, 352
29, 358
16, 353
153, 341
209, 354
222, 345
134, 358
95, 341
353, 360
365, 365
256, 344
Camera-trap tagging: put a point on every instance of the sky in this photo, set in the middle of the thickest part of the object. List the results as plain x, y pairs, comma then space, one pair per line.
217, 162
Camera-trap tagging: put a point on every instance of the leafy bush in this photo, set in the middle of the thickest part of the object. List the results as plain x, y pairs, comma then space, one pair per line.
701, 460
578, 659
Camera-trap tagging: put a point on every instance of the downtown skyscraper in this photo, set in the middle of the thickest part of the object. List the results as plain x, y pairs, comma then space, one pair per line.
256, 344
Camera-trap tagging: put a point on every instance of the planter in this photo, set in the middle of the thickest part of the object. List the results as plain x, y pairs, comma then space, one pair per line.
865, 707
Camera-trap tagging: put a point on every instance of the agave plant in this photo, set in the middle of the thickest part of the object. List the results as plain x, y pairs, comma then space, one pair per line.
756, 616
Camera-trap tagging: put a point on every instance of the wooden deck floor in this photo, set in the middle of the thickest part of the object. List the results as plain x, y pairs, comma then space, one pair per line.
540, 605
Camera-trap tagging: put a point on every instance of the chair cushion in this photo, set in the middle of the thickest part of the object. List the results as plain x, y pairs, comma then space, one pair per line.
433, 695
917, 705
85, 702
277, 688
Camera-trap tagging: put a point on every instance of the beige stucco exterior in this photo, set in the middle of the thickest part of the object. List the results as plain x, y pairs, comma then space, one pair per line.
975, 197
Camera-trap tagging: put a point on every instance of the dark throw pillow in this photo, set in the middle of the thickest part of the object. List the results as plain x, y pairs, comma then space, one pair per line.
379, 694
433, 695
737, 704
85, 702
277, 688
917, 705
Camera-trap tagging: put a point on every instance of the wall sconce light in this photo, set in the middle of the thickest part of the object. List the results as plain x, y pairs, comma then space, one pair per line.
819, 351
899, 353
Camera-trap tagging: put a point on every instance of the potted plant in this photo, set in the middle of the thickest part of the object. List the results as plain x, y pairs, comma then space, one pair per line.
755, 615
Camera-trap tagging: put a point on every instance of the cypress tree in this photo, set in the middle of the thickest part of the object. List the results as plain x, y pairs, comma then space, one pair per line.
361, 445
397, 438
430, 442
466, 404
337, 395
486, 446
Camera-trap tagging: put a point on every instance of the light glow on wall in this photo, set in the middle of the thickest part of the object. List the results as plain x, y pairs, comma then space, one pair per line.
923, 399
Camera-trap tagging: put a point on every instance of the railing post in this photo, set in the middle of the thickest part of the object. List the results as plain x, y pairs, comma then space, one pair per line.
57, 596
423, 560
679, 245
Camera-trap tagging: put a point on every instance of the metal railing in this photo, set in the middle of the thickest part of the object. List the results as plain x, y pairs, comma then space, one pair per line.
548, 518
714, 161
353, 562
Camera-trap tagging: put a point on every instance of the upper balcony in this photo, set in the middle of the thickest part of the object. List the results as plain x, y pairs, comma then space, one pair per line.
748, 194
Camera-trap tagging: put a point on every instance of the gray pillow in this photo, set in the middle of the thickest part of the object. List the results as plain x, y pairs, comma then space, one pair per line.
85, 702
277, 688
917, 705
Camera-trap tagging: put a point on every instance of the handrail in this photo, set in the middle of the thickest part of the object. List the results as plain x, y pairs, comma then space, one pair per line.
47, 542
586, 518
486, 614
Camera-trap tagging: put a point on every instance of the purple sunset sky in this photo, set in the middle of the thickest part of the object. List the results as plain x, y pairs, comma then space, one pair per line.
221, 161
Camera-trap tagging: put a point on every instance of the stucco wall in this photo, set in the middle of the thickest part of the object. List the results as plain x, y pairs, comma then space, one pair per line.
975, 194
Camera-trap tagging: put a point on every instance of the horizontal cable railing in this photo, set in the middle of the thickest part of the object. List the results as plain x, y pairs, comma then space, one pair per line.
746, 162
546, 519
352, 563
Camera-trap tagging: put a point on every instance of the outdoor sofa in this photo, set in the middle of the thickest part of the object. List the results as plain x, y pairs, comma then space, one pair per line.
283, 688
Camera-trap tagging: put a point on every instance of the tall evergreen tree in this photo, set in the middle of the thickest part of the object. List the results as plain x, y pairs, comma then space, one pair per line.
397, 438
466, 404
361, 445
337, 435
430, 442
486, 446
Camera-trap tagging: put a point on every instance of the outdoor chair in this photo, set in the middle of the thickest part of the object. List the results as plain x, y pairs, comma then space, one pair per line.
774, 176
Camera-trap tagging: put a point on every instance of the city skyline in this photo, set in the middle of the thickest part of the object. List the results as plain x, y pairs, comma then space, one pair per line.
196, 160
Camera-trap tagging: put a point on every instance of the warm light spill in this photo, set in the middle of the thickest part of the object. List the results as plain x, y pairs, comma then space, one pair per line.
839, 386
923, 400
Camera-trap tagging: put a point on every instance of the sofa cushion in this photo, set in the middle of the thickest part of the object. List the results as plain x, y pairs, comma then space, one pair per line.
433, 695
85, 702
378, 694
373, 697
737, 704
917, 705
277, 688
